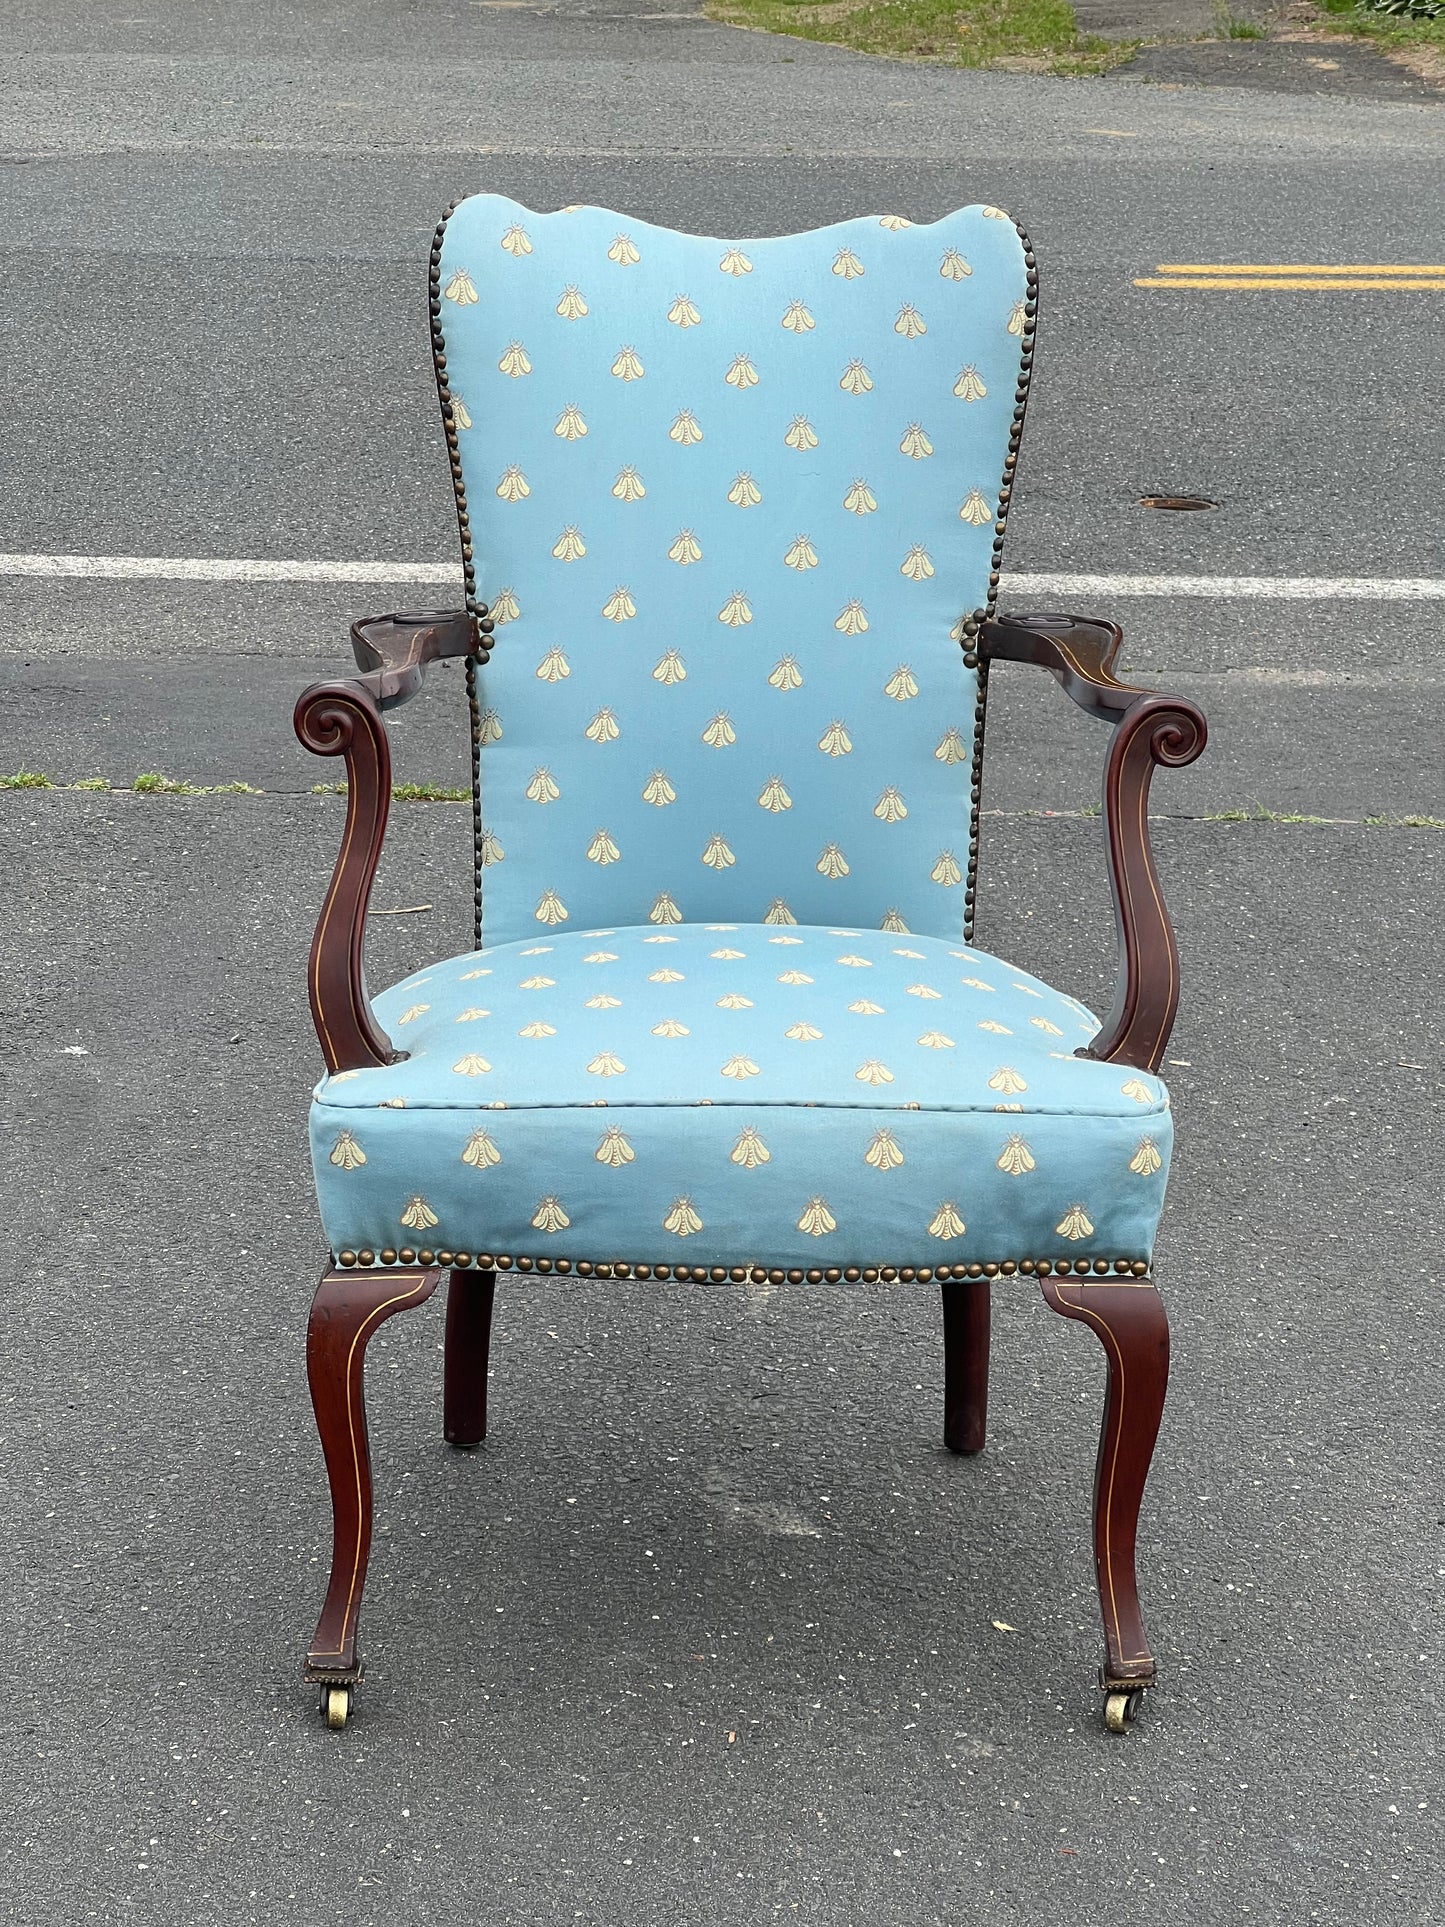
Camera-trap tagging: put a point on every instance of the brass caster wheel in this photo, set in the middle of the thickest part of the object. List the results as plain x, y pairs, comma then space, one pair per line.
336, 1706
1121, 1710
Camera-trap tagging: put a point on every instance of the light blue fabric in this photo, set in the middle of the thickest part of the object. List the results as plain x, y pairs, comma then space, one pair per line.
728, 501
732, 1094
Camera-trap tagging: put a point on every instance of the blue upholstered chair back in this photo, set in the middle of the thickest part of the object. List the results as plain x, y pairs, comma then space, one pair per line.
730, 504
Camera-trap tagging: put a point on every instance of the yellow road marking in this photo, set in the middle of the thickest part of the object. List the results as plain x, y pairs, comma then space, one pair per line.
1293, 267
1319, 284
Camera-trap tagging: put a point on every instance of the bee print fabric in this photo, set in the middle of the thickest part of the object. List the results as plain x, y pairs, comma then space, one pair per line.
729, 500
727, 1094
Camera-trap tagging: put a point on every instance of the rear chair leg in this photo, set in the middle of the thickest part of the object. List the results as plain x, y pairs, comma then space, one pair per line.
965, 1364
348, 1307
469, 1344
1132, 1327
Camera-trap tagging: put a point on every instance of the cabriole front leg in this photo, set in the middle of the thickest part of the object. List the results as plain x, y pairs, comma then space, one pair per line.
347, 1309
1130, 1323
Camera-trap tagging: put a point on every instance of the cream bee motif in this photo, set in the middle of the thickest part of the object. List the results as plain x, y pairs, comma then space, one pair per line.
683, 313
471, 1065
749, 1150
852, 619
461, 414
803, 1033
744, 493
515, 362
797, 318
513, 486
628, 366
1145, 1161
606, 1064
773, 796
619, 606
410, 1016
602, 728
910, 323
516, 241
720, 733
1016, 1158
462, 289
894, 223
801, 434
785, 673
1018, 318
542, 787
718, 855
1007, 1081
550, 1216
1138, 1090
685, 430
860, 499
669, 669
871, 1071
915, 443
614, 1150
975, 508
685, 548
946, 1223
624, 252
550, 908
348, 1155
569, 546
742, 374
832, 863
846, 265
480, 1151
778, 912
835, 740
572, 307
735, 262
890, 807
734, 1000
936, 1040
602, 849
664, 910
893, 921
554, 667
855, 379
682, 1221
735, 611
570, 427
505, 608
418, 1215
658, 791
917, 565
884, 1153
628, 486
969, 386
951, 748
669, 1027
802, 555
946, 870
1075, 1224
817, 1220
953, 267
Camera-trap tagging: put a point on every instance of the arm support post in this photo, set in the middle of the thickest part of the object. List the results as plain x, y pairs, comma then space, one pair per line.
345, 719
1149, 730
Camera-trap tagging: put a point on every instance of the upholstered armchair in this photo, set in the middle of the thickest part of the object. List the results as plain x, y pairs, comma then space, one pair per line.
731, 519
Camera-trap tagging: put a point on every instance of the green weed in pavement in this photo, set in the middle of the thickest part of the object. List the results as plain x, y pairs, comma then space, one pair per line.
1389, 29
1026, 35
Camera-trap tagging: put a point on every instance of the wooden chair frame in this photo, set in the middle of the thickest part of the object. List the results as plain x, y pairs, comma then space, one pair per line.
345, 718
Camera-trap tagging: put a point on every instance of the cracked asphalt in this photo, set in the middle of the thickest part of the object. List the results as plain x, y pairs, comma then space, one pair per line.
709, 1630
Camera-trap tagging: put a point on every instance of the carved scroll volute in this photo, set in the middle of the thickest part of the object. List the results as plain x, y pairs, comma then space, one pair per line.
341, 719
1167, 731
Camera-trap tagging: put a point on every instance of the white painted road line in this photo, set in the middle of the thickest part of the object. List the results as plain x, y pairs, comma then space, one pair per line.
185, 568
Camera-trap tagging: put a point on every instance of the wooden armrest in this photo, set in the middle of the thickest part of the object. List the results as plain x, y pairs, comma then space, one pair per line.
1149, 730
397, 648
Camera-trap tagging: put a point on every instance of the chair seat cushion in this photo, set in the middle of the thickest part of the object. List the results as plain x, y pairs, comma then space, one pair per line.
740, 1095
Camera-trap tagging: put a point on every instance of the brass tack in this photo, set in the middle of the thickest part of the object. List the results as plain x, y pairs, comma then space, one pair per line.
870, 1275
346, 1257
407, 1255
504, 1263
388, 1257
634, 1271
905, 1275
738, 1275
888, 1274
1101, 1265
1081, 1266
851, 1274
1139, 1268
585, 1267
1121, 1264
814, 1276
718, 1274
990, 1270
1043, 1267
795, 1276
365, 1257
925, 1275
832, 1275
462, 1259
524, 1264
776, 1277
544, 1264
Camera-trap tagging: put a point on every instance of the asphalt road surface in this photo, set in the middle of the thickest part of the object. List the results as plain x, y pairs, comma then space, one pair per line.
707, 1631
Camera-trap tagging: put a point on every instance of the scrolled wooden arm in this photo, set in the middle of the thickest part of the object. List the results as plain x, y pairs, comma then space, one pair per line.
344, 718
1150, 730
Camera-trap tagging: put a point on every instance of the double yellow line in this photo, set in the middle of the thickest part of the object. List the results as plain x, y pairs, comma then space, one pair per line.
1297, 279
